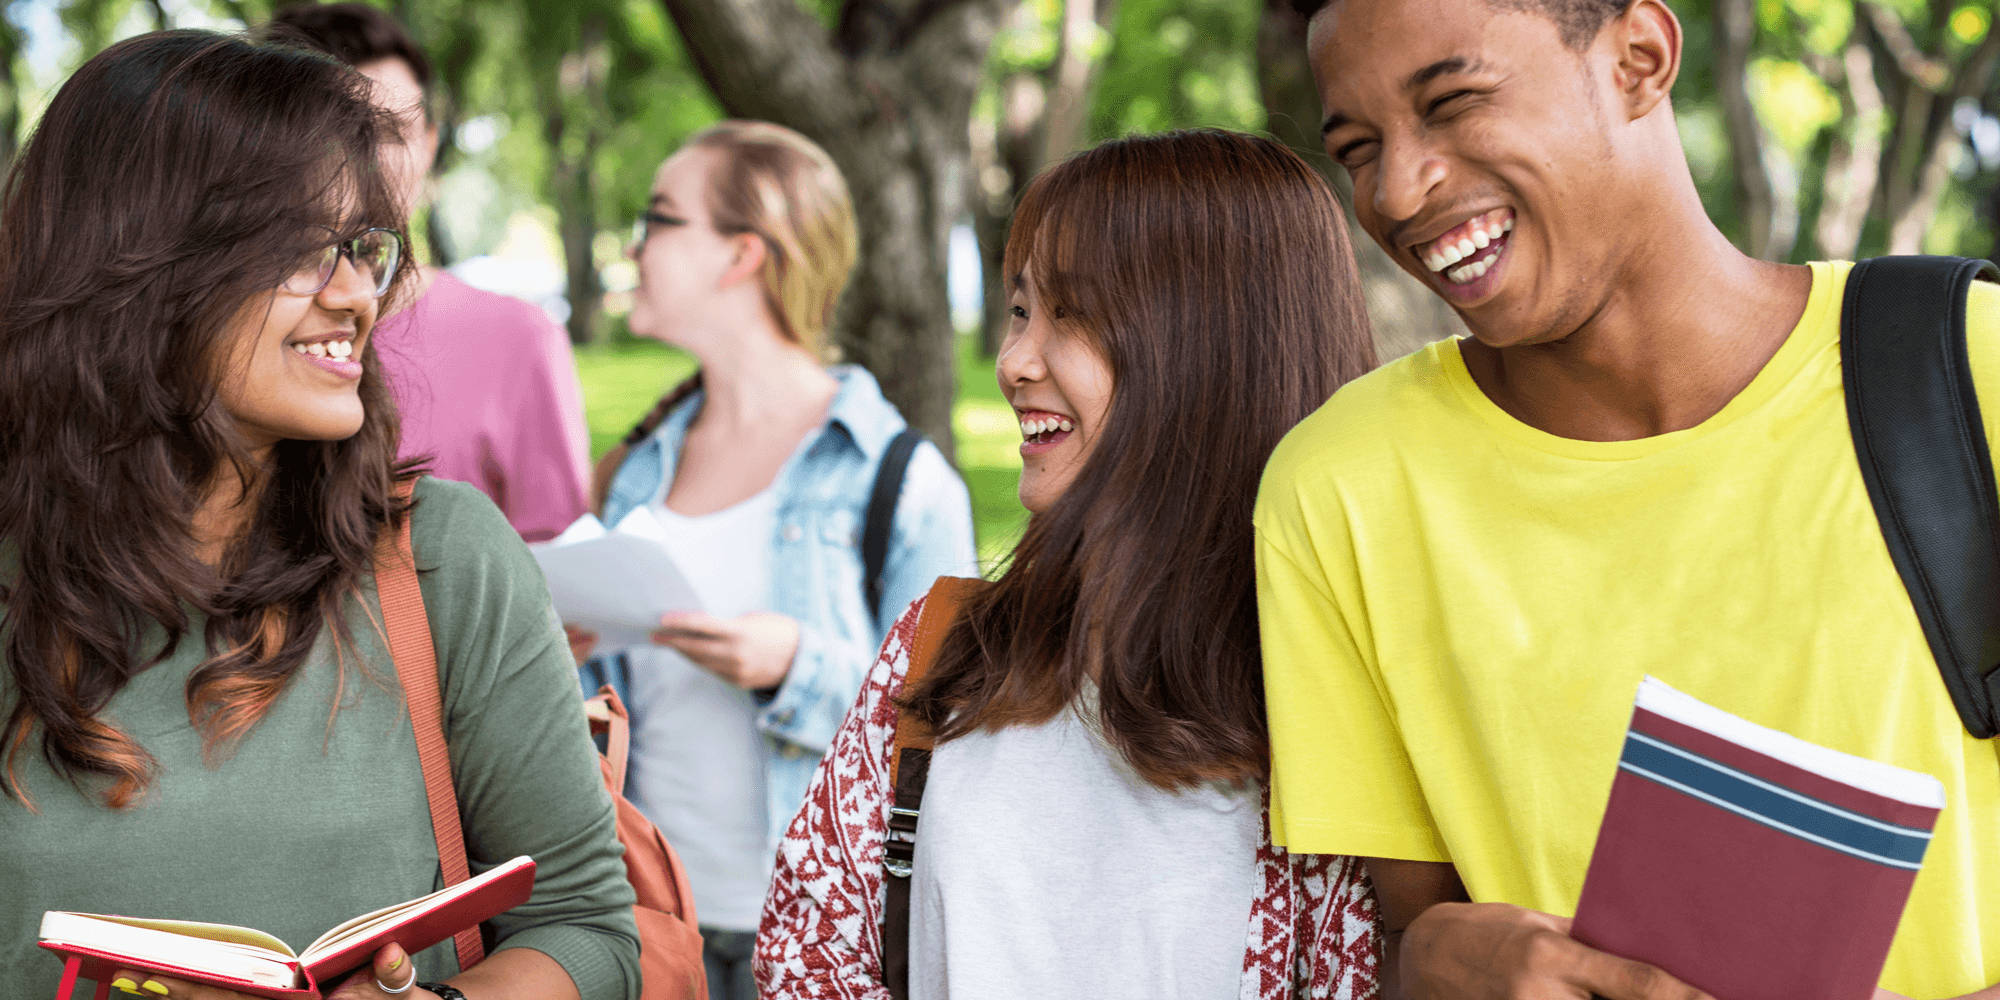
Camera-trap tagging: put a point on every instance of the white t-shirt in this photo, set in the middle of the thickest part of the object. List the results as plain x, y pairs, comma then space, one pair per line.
697, 770
1046, 867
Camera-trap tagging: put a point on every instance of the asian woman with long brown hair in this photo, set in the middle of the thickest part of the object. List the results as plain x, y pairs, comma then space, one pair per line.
197, 468
1093, 823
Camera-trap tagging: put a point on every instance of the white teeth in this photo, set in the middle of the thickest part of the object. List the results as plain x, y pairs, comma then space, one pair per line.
1044, 425
1480, 239
1466, 249
1469, 271
1508, 226
338, 350
1435, 262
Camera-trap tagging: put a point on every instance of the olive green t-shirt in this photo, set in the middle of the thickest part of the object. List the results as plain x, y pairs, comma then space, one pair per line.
319, 815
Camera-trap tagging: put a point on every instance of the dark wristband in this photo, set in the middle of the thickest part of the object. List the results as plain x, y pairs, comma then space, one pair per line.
445, 991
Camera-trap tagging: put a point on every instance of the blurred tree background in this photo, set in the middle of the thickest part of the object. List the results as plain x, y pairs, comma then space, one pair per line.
1815, 128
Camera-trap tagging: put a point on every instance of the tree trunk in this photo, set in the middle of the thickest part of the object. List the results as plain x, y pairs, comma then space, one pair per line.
889, 96
1854, 166
1931, 163
1735, 32
574, 85
1069, 84
1404, 313
1008, 162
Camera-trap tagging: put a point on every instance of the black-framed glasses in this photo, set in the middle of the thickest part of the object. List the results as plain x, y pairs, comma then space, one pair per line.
648, 221
375, 254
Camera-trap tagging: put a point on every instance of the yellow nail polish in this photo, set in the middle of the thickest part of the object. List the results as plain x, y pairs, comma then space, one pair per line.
397, 964
125, 984
155, 987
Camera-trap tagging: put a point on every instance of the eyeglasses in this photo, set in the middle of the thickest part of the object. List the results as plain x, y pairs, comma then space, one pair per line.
375, 254
647, 221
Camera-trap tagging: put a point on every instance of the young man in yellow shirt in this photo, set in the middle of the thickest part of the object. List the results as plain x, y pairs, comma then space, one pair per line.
1639, 463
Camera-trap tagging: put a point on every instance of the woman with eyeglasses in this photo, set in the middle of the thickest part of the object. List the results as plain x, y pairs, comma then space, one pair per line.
197, 471
761, 469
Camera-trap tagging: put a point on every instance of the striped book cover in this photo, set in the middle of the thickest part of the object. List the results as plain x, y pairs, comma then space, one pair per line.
1749, 863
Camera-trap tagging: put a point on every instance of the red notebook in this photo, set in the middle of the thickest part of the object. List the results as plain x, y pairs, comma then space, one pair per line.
95, 946
1749, 863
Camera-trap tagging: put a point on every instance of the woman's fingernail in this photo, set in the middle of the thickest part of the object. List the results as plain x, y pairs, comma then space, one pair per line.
397, 964
155, 987
125, 984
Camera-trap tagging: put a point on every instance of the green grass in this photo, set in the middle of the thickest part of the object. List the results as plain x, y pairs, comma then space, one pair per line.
621, 381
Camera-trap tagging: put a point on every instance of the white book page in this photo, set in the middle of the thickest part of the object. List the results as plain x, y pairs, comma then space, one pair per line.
369, 923
226, 950
1886, 780
615, 583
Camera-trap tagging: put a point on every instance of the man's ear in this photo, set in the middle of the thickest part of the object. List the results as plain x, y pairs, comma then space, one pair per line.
1646, 48
750, 254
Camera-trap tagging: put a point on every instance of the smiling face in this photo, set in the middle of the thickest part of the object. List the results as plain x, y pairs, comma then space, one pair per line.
1060, 389
1489, 159
294, 362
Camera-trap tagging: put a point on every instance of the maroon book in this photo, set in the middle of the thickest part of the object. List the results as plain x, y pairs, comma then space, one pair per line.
1749, 863
94, 946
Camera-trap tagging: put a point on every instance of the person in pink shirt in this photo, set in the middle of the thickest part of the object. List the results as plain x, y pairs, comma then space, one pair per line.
485, 383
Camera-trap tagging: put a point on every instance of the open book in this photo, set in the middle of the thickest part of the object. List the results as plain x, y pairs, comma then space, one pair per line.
95, 946
1749, 863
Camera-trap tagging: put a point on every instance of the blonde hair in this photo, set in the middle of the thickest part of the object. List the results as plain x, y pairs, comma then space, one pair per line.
780, 185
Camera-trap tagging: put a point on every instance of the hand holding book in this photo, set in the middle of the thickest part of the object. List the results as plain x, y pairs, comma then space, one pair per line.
390, 975
1501, 950
185, 959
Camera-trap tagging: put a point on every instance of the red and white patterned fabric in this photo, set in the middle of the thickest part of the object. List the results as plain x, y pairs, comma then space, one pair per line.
1313, 932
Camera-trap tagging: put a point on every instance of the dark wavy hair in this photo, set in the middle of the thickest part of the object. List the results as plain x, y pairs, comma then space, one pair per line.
1212, 272
122, 265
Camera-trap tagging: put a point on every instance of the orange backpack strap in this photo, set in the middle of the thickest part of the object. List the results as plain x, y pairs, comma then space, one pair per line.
909, 770
410, 645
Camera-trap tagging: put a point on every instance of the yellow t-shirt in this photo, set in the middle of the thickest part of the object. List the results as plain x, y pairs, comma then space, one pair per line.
1458, 608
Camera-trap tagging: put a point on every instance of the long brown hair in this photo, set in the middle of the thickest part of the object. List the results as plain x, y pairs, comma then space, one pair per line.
174, 181
1212, 272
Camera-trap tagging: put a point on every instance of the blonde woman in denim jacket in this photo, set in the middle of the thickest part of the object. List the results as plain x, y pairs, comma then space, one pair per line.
761, 468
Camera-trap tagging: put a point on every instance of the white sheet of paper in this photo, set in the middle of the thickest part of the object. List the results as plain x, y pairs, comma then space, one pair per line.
615, 583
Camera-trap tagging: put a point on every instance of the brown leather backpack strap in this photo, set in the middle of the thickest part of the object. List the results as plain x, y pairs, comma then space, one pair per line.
607, 716
410, 645
909, 770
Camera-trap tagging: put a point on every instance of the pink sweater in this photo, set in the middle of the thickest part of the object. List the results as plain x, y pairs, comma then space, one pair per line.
487, 388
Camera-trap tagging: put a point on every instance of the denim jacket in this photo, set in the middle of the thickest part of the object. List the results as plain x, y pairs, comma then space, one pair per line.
816, 563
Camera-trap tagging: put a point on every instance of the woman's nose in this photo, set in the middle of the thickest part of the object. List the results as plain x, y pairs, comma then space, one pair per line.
348, 290
1020, 359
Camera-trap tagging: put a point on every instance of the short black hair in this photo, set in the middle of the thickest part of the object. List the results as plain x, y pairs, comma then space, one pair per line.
1578, 21
353, 33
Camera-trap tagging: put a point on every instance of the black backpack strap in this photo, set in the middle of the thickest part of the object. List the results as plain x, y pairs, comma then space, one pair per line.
1917, 431
882, 513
